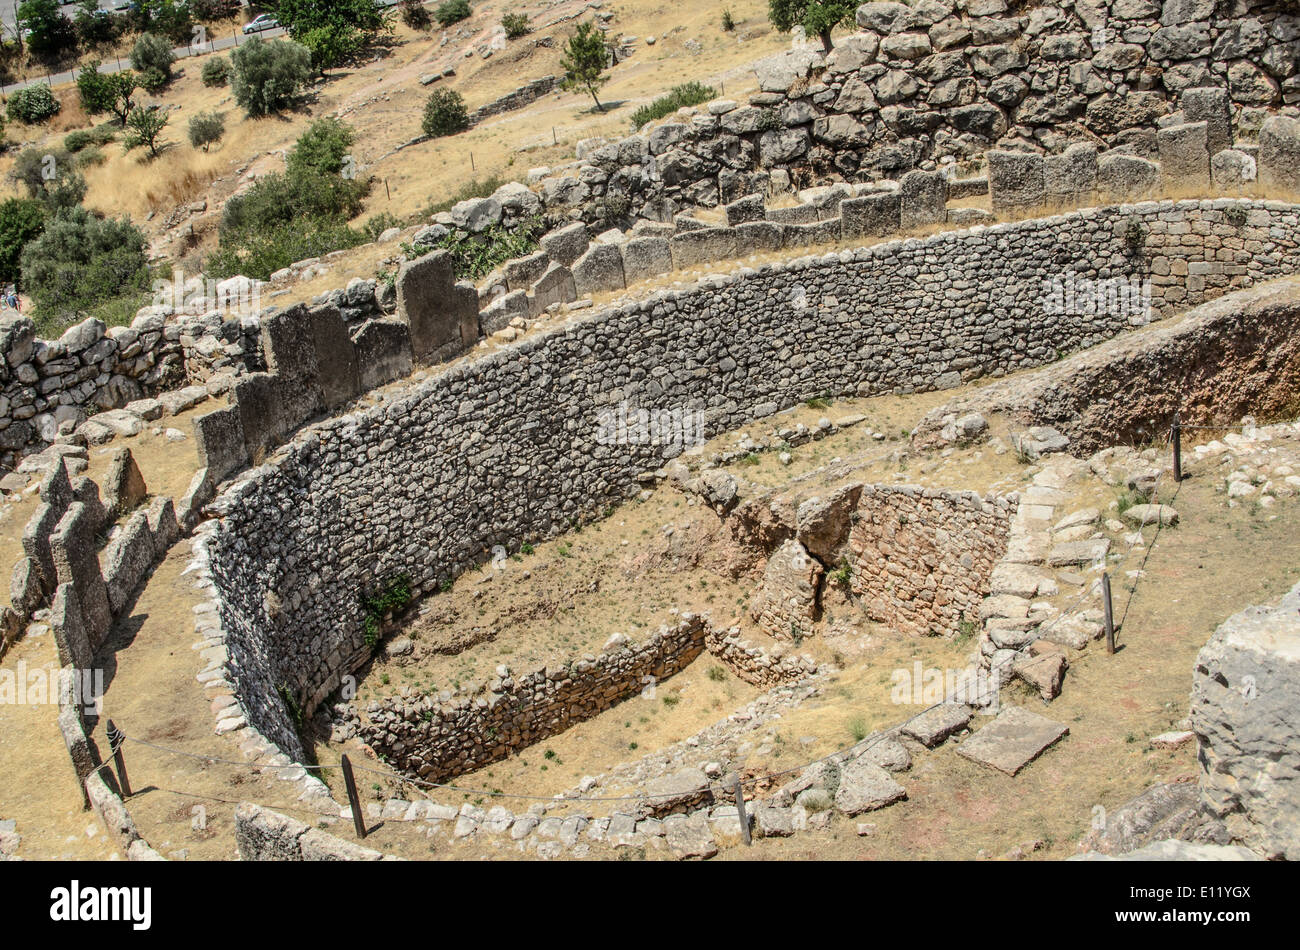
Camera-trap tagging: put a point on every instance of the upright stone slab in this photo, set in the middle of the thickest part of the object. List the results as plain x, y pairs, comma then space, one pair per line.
85, 491
872, 215
743, 210
1279, 156
69, 628
26, 587
756, 237
1017, 180
923, 199
523, 272
219, 436
1184, 156
1232, 169
383, 352
1071, 177
702, 245
260, 421
336, 357
442, 318
1126, 177
1212, 106
598, 270
75, 562
287, 341
124, 486
56, 487
565, 245
645, 257
127, 559
500, 312
163, 524
555, 286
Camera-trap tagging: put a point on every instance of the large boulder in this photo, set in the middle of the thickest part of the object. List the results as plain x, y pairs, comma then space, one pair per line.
1245, 693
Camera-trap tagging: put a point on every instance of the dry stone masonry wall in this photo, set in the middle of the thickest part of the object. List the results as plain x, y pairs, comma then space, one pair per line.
506, 448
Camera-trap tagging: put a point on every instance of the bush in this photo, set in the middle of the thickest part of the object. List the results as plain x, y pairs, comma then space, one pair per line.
471, 189
79, 261
322, 149
216, 71
445, 114
728, 21
516, 25
687, 94
79, 139
268, 76
154, 80
34, 104
21, 220
152, 54
475, 255
213, 10
260, 254
452, 11
96, 90
205, 129
415, 15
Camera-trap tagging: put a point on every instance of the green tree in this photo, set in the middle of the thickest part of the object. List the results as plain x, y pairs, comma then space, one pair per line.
79, 261
334, 31
144, 126
52, 33
50, 175
444, 114
21, 220
123, 86
322, 149
269, 76
452, 11
94, 26
206, 128
216, 71
153, 54
817, 17
97, 91
584, 61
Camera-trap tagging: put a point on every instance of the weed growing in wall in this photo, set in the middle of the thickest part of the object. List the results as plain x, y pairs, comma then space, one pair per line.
393, 596
687, 94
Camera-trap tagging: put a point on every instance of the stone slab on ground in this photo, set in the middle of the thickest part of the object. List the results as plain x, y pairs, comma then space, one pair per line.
689, 836
1012, 740
1172, 850
934, 725
865, 787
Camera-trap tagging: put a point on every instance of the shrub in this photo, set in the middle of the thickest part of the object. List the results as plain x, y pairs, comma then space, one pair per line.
259, 254
205, 129
79, 139
21, 220
415, 15
80, 260
154, 80
322, 148
153, 55
516, 25
471, 189
283, 198
34, 104
474, 255
216, 71
445, 114
728, 21
96, 90
687, 94
143, 128
268, 76
452, 11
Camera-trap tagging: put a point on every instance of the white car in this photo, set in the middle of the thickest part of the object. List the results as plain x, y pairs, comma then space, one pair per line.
263, 22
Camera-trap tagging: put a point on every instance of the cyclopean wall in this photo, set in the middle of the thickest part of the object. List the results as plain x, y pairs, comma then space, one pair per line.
508, 448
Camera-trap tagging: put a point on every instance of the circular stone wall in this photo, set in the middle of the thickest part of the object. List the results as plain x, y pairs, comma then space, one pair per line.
509, 447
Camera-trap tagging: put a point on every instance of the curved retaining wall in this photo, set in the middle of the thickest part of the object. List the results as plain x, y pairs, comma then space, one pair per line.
508, 447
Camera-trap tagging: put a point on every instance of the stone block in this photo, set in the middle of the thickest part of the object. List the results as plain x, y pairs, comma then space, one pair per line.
336, 357
1231, 170
1016, 180
124, 486
599, 269
26, 586
923, 198
1184, 156
565, 245
757, 237
383, 352
522, 272
291, 358
69, 628
1012, 740
809, 235
441, 315
75, 562
127, 560
799, 214
1212, 106
505, 308
220, 441
555, 286
645, 257
163, 524
872, 215
1126, 177
1071, 177
744, 210
1279, 156
702, 246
